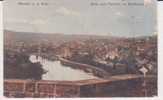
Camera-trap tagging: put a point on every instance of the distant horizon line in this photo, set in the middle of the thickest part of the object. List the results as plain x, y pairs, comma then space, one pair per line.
110, 35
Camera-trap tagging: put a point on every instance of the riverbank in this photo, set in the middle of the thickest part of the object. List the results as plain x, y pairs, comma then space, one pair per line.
87, 68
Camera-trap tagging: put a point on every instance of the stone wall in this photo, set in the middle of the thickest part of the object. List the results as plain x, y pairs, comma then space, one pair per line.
25, 88
115, 86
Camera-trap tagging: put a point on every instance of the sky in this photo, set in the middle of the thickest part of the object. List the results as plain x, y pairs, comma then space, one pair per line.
91, 17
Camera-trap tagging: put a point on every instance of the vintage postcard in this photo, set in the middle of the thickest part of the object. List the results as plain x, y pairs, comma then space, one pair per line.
80, 48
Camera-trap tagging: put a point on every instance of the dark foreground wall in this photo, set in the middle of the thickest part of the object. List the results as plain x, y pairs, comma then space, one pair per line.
28, 88
125, 86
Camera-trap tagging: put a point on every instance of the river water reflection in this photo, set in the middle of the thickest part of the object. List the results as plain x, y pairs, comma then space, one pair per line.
56, 71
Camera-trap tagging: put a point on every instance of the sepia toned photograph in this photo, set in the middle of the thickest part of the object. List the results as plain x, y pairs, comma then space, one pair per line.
80, 48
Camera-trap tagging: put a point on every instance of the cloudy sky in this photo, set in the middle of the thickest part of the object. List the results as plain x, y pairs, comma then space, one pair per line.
100, 17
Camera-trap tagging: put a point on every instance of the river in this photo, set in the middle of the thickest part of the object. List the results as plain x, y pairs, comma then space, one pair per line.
57, 71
